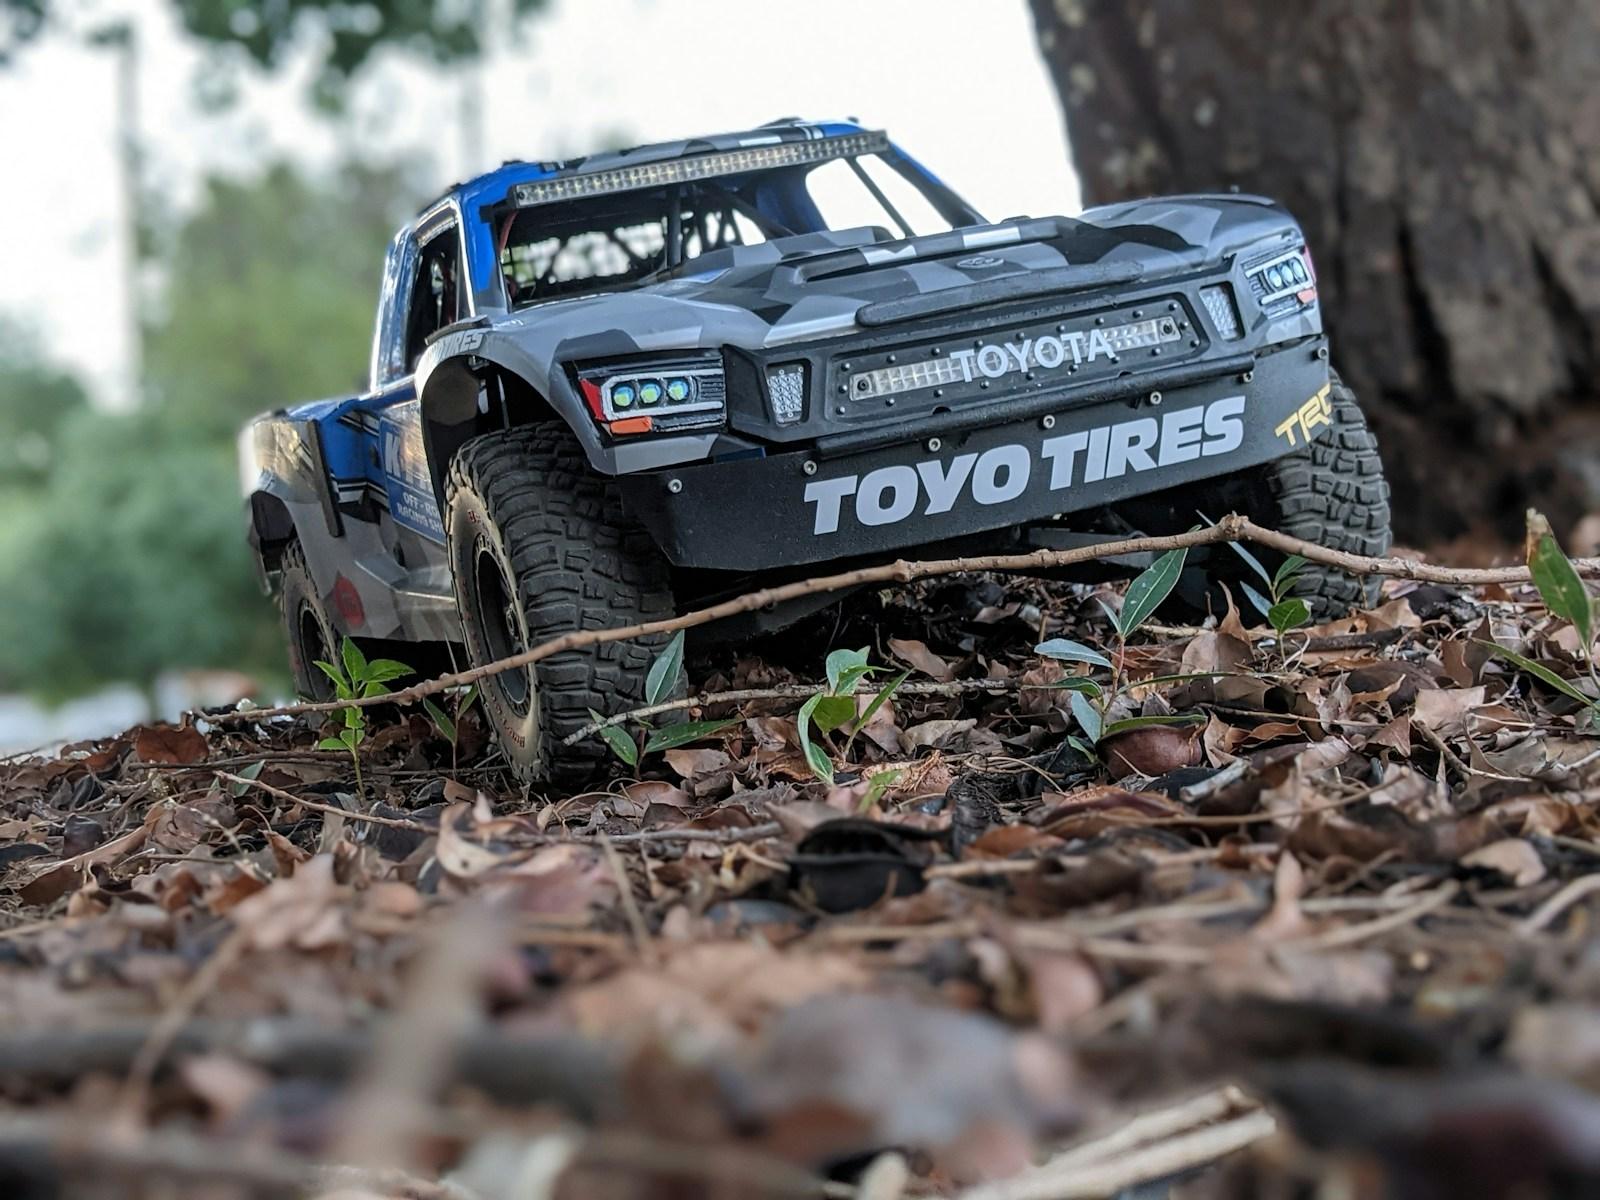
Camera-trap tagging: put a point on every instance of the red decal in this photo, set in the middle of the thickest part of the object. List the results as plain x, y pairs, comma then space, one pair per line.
348, 601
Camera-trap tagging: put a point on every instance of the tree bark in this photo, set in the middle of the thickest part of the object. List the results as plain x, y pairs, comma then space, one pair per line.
1444, 159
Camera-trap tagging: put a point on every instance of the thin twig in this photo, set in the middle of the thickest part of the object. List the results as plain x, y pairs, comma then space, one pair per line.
1231, 528
630, 905
331, 809
788, 691
1558, 904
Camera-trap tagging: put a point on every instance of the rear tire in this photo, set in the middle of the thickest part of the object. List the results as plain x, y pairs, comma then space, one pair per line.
539, 548
308, 629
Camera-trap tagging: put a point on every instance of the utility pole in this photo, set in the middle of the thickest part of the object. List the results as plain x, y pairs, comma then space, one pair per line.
122, 40
472, 93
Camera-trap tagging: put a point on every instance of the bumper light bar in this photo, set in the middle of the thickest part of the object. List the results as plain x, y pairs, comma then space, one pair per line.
786, 388
699, 166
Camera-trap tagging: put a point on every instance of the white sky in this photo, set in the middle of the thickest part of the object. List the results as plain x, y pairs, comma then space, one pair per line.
959, 83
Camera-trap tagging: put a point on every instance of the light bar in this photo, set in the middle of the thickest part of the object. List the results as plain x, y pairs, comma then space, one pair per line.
698, 166
887, 381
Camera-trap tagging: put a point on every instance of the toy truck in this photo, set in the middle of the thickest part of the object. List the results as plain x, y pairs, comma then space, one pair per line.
605, 388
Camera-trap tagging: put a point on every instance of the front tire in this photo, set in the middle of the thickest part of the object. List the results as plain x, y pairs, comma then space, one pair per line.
1330, 491
539, 548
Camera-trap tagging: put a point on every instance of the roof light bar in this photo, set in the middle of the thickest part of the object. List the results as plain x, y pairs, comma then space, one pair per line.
698, 166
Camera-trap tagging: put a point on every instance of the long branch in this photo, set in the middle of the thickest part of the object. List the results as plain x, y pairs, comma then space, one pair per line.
1231, 528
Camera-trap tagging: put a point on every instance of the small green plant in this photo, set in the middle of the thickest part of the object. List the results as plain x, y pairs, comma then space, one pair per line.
357, 679
449, 726
1564, 594
834, 707
1282, 610
1090, 701
658, 684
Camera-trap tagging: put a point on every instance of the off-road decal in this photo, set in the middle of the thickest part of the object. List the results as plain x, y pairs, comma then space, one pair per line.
405, 471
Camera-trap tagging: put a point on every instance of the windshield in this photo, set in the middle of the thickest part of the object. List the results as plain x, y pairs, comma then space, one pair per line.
601, 243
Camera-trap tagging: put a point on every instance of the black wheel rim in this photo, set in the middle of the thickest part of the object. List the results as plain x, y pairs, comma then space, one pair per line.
314, 648
501, 628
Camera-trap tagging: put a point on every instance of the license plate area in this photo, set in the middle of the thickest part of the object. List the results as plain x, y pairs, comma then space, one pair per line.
1024, 359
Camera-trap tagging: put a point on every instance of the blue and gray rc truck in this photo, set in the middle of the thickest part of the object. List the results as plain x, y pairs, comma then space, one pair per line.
606, 388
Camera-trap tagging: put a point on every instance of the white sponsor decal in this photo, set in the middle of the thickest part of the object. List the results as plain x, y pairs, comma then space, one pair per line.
888, 495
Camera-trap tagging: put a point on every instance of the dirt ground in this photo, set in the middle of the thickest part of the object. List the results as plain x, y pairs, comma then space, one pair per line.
1318, 926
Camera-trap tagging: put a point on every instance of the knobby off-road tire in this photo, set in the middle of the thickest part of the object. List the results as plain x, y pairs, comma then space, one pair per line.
307, 627
539, 547
1333, 492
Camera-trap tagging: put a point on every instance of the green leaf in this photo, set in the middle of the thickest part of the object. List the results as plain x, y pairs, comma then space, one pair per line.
373, 688
441, 722
248, 772
351, 737
1146, 593
664, 672
1113, 616
849, 677
1565, 686
1081, 746
881, 698
1284, 577
385, 670
335, 674
619, 739
332, 743
670, 737
1088, 716
1131, 723
1067, 650
1261, 603
1560, 587
833, 711
467, 697
877, 785
355, 662
840, 661
1253, 562
816, 757
1288, 614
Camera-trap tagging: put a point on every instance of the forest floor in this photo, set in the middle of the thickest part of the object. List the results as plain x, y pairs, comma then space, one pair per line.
1324, 920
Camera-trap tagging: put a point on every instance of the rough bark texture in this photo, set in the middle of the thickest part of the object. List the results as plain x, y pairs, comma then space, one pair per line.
1444, 158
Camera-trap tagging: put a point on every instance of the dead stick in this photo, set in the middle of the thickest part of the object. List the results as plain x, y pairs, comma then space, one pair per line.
1231, 528
331, 809
788, 691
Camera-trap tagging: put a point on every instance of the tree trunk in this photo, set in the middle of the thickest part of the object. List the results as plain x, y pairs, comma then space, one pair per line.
1444, 159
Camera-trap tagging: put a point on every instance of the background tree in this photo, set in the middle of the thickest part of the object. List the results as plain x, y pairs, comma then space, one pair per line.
1444, 158
122, 550
271, 293
36, 398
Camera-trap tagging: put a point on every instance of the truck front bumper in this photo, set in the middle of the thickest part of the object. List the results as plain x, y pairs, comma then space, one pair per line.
1000, 470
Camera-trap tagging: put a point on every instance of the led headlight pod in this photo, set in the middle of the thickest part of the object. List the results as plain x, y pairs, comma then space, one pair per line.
786, 388
667, 390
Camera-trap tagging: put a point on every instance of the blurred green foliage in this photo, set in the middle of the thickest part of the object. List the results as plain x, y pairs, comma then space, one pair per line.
122, 547
343, 34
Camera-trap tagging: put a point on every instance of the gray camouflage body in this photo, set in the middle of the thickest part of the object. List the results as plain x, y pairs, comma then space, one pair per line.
814, 296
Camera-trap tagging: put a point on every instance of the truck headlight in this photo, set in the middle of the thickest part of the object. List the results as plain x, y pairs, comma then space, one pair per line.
647, 397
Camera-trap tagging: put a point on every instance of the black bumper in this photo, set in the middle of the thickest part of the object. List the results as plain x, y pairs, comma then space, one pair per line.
1002, 467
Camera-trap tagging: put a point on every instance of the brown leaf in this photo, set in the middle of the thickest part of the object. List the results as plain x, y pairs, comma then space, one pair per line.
1513, 858
1153, 750
1445, 711
1005, 840
657, 791
931, 733
691, 764
171, 744
916, 654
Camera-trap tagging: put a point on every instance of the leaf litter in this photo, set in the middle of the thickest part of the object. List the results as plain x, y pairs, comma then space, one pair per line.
930, 933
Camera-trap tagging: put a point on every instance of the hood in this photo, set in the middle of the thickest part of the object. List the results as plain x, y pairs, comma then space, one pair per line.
813, 285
